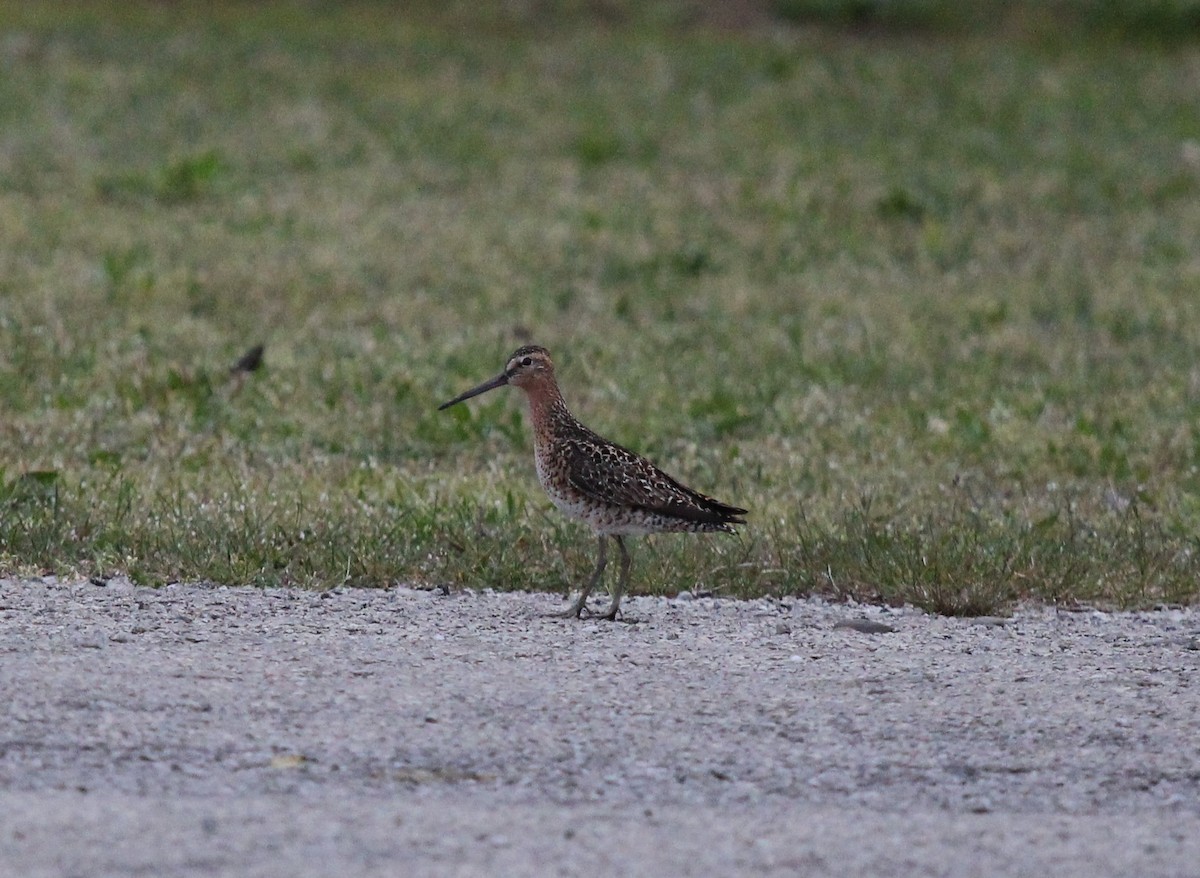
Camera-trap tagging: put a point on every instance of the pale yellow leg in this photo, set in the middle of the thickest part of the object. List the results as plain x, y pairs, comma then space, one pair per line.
622, 582
577, 607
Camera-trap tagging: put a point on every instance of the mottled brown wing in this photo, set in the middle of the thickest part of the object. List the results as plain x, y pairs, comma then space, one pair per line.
611, 474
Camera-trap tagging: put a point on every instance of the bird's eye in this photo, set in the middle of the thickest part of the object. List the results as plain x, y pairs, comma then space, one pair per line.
526, 361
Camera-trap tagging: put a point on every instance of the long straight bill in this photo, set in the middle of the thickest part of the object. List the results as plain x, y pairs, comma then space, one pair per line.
499, 381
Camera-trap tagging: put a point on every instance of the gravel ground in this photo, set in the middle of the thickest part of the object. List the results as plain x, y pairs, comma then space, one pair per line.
197, 730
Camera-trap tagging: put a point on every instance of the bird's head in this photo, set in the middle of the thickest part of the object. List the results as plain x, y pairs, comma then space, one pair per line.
529, 367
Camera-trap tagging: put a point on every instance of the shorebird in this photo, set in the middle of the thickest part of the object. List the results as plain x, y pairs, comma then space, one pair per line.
616, 492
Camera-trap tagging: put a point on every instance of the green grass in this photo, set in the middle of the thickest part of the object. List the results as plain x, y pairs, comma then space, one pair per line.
1154, 20
926, 301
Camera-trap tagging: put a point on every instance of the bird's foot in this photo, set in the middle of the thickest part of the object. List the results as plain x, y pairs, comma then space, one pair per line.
576, 611
609, 614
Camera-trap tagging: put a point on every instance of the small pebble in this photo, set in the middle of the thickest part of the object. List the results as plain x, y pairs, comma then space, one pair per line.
865, 626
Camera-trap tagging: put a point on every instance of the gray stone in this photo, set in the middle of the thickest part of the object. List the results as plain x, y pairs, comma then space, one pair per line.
865, 626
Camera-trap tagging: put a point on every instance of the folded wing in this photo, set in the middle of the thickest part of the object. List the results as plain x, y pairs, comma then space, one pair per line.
610, 474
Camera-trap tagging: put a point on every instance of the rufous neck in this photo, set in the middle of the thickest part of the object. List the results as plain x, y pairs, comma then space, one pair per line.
545, 402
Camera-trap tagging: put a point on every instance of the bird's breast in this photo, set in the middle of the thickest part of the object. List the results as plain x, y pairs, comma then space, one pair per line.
552, 473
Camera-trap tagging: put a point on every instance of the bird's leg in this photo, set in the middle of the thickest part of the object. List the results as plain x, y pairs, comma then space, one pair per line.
576, 609
622, 582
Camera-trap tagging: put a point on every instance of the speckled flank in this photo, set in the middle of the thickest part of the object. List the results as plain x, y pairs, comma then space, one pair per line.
615, 491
